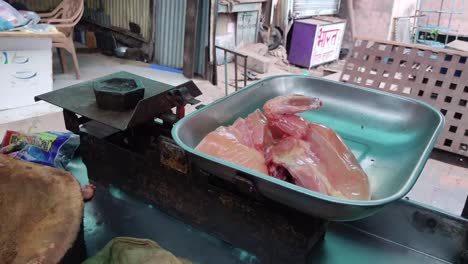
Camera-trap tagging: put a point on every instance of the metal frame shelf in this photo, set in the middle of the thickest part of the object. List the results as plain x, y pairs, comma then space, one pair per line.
422, 24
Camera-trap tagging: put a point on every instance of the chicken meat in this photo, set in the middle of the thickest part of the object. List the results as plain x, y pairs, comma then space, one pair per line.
288, 147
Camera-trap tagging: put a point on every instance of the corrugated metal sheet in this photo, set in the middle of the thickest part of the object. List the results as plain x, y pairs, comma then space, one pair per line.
40, 5
169, 33
202, 35
307, 8
120, 13
116, 13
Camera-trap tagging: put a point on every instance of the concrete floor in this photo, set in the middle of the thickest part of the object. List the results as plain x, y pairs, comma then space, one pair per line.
332, 71
440, 185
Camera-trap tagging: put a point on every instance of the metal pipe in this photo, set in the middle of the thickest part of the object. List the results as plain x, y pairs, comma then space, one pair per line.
235, 66
245, 72
235, 71
212, 40
449, 22
225, 73
231, 51
440, 13
415, 31
392, 23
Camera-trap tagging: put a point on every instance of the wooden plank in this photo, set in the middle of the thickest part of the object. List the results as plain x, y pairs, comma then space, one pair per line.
240, 6
246, 7
191, 21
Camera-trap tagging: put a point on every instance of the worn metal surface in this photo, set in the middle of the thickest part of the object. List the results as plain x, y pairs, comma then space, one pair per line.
391, 136
403, 232
113, 212
119, 13
435, 76
420, 228
307, 8
169, 33
273, 232
172, 156
158, 99
394, 235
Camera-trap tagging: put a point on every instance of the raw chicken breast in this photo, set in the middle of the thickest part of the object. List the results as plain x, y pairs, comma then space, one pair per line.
252, 131
311, 155
280, 112
286, 146
258, 129
289, 105
224, 144
316, 164
343, 171
293, 160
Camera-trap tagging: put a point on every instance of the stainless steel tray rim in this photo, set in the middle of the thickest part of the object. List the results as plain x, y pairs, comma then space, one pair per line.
369, 203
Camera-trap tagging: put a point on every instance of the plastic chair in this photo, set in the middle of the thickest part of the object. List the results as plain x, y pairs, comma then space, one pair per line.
64, 17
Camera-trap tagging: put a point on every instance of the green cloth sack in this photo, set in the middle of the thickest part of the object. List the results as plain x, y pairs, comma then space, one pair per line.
127, 250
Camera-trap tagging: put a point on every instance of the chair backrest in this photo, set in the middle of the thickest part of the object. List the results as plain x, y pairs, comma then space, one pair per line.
71, 11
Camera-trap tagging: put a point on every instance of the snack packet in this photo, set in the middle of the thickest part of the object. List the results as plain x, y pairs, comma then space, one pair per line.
53, 149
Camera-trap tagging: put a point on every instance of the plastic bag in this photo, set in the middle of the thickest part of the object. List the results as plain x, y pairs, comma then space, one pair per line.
30, 17
53, 149
5, 25
10, 14
32, 25
37, 28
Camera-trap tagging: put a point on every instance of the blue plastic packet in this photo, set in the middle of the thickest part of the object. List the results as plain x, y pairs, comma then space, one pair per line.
53, 149
5, 25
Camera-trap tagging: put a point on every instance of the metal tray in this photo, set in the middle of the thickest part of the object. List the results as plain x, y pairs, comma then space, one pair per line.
391, 136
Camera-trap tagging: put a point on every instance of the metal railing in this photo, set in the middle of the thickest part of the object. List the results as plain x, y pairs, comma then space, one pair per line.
235, 67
